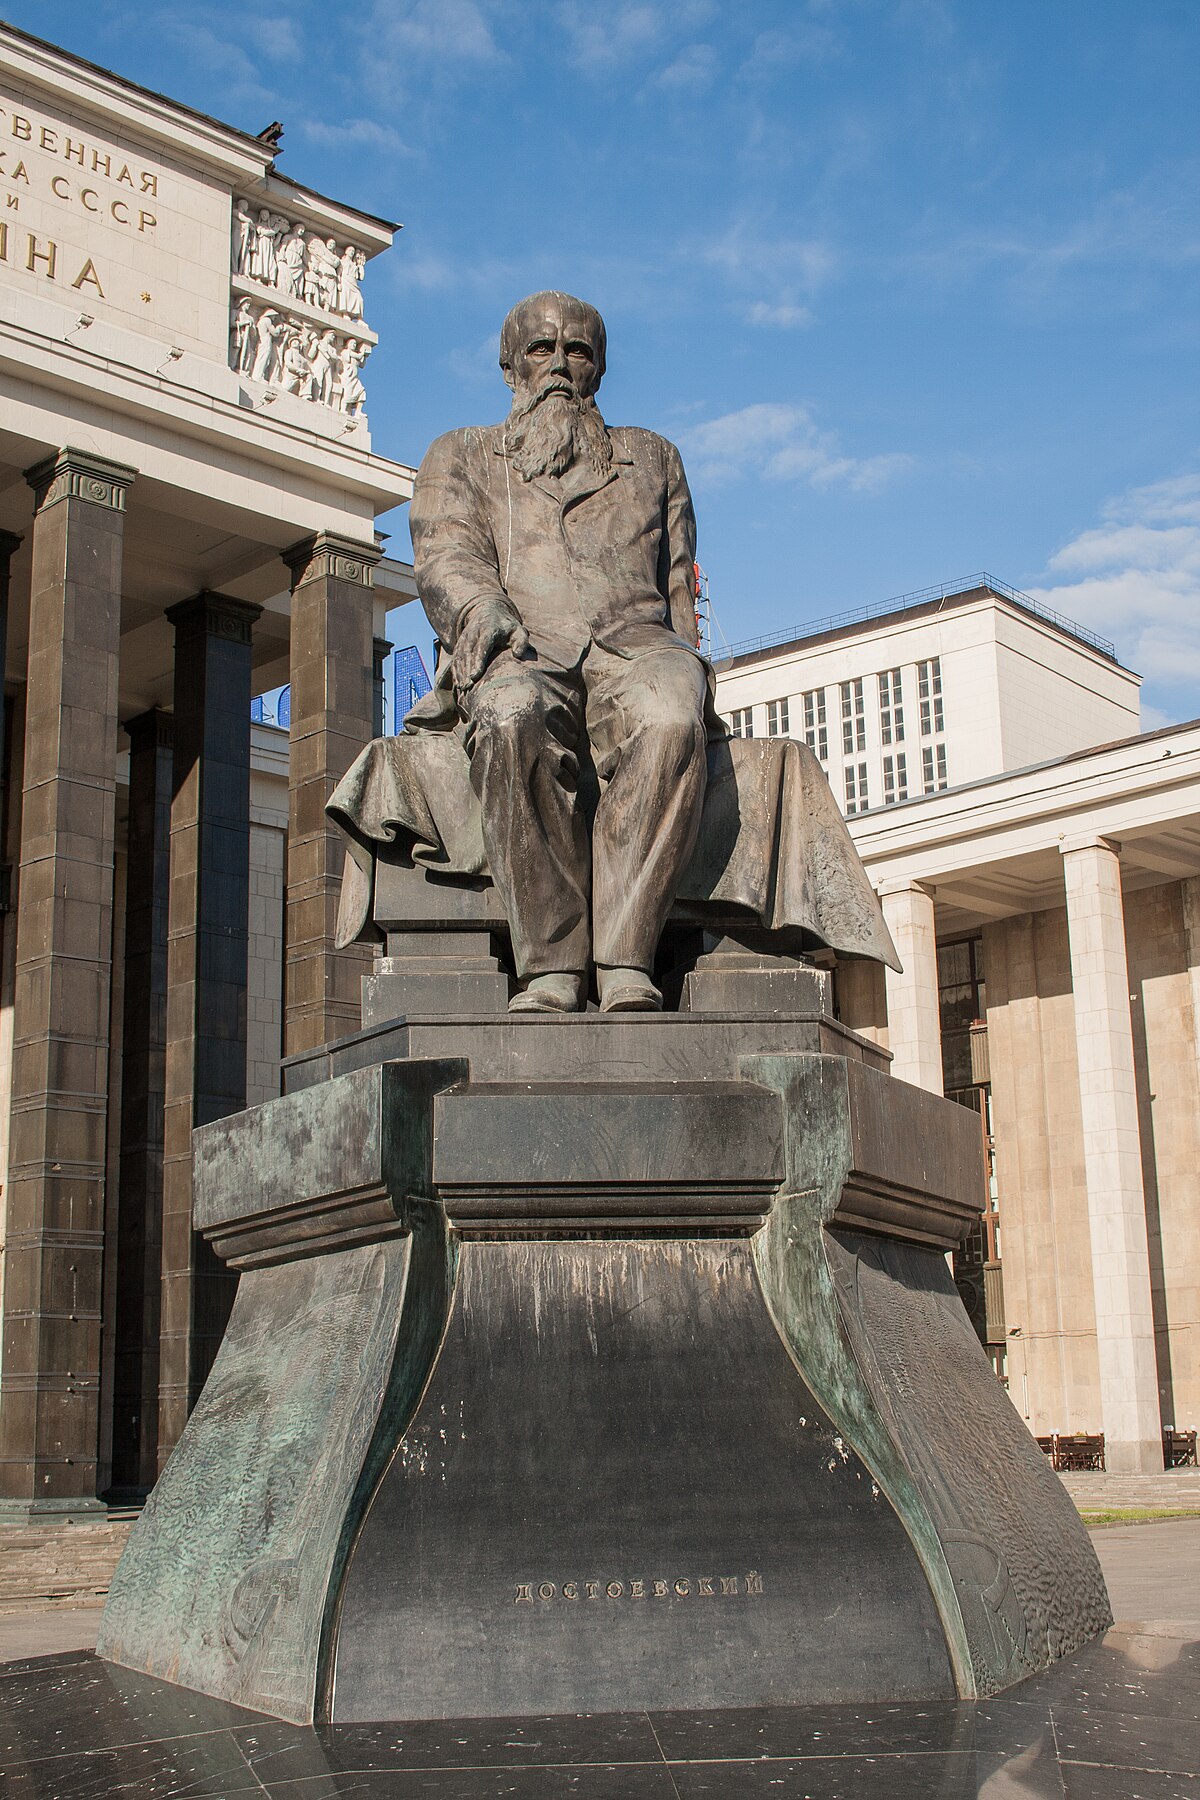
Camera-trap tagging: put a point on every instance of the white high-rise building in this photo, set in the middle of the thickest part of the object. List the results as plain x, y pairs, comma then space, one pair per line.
930, 691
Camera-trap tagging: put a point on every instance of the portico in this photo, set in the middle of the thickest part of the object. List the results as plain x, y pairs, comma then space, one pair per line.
1078, 880
177, 534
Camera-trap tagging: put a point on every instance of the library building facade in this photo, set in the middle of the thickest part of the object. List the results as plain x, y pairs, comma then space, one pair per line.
187, 522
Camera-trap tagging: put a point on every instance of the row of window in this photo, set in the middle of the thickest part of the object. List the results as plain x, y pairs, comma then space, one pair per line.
854, 712
895, 778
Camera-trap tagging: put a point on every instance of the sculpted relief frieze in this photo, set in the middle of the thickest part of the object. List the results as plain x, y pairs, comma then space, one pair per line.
284, 351
282, 339
297, 263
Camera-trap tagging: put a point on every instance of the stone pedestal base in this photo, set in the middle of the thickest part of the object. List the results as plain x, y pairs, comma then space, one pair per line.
598, 1394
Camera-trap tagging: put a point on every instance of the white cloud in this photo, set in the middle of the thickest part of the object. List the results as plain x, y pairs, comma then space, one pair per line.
400, 32
603, 35
1135, 577
781, 442
693, 70
786, 317
277, 38
366, 134
748, 251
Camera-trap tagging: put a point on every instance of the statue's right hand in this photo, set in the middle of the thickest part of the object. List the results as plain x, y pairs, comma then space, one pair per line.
488, 627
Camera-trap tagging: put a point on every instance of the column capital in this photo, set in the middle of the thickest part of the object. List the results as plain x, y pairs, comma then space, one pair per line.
218, 615
10, 543
328, 556
903, 884
80, 475
153, 730
1088, 840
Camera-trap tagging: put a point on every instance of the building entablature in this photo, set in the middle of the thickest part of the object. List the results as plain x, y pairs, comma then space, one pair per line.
164, 242
994, 848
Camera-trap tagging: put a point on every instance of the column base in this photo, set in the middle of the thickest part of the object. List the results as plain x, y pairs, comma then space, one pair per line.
1133, 1457
21, 1512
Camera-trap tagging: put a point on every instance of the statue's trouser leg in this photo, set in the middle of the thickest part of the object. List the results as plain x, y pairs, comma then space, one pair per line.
524, 722
645, 720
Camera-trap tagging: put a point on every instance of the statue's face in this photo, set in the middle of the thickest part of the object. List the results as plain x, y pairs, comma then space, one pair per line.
554, 345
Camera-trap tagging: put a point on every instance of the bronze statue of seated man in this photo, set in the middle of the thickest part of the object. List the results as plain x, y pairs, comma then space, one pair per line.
555, 557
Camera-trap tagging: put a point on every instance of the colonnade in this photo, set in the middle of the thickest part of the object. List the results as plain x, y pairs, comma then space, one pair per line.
1108, 1106
183, 1029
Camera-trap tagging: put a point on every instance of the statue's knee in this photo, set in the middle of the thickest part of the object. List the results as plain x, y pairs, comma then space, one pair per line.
512, 710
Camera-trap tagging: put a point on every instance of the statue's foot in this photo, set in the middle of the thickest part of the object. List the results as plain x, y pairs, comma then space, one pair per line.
627, 990
550, 993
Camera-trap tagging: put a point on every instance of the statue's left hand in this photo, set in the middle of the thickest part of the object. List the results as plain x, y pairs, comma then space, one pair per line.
488, 627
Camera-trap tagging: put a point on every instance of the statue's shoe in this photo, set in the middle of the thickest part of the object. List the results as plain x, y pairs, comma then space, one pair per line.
550, 993
627, 990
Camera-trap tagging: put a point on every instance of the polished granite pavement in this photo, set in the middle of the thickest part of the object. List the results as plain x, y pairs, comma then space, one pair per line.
1120, 1722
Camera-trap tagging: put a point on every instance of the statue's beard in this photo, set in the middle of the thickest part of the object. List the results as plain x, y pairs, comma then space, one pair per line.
549, 430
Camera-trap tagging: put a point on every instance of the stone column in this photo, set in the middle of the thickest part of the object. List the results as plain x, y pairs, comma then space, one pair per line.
207, 955
381, 649
10, 817
1112, 1156
49, 1383
914, 1023
143, 1074
332, 677
9, 545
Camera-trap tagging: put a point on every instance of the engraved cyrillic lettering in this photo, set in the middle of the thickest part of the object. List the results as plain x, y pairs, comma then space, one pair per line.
149, 183
100, 164
63, 193
729, 1584
683, 1588
125, 176
48, 139
704, 1585
592, 1589
146, 221
661, 1590
121, 217
546, 1591
83, 196
87, 277
20, 173
637, 1590
33, 256
73, 152
524, 1595
21, 128
570, 1590
614, 1590
754, 1583
3, 240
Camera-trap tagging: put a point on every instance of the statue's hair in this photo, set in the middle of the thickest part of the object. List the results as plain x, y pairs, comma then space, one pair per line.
510, 331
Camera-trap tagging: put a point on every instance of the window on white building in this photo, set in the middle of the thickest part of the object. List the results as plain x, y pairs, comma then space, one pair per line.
741, 722
891, 707
895, 778
816, 731
854, 718
856, 787
933, 767
929, 692
777, 718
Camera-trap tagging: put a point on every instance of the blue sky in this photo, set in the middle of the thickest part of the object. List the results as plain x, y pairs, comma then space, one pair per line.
913, 284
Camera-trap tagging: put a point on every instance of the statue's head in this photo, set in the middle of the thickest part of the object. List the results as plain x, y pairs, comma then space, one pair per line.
553, 341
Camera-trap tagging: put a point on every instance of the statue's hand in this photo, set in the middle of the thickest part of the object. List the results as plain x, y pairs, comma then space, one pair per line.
488, 627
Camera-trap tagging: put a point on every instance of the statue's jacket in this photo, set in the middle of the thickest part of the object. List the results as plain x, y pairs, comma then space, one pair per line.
584, 558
